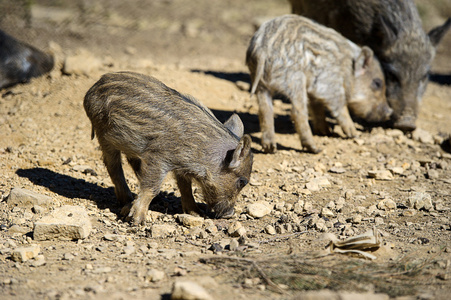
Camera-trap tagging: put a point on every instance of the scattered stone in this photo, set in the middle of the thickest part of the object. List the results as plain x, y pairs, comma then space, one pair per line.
190, 221
433, 174
422, 136
188, 290
82, 63
236, 230
84, 169
22, 254
397, 170
64, 223
234, 244
337, 170
38, 261
419, 200
380, 174
386, 204
242, 85
18, 229
68, 256
26, 198
259, 209
317, 183
356, 219
162, 231
326, 212
155, 275
269, 229
110, 237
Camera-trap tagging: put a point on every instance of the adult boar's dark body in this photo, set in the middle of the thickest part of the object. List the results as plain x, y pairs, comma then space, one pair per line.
160, 130
19, 61
393, 29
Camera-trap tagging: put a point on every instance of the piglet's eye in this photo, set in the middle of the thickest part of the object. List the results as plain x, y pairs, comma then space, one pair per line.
376, 84
241, 182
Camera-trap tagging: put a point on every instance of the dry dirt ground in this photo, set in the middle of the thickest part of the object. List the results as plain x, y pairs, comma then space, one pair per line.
198, 48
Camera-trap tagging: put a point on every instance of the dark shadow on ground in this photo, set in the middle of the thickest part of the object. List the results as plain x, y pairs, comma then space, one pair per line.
72, 188
443, 79
229, 76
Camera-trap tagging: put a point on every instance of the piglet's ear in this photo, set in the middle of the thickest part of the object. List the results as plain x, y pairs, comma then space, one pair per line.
363, 61
437, 33
242, 151
235, 125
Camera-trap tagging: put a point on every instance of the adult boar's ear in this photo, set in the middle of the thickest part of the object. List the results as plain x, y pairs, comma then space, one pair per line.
385, 31
437, 33
241, 152
235, 125
363, 61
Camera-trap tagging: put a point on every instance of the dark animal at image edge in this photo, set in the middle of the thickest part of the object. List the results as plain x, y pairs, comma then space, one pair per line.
19, 61
160, 130
393, 30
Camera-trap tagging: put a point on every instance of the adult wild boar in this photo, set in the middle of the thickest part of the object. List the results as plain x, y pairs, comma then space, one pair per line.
393, 29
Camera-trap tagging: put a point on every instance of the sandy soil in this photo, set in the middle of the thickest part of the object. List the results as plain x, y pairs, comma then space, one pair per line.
199, 50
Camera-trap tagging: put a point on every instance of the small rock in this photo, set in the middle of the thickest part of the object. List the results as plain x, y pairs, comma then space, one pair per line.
234, 244
433, 174
22, 254
190, 221
155, 275
162, 231
422, 136
235, 229
64, 223
269, 229
419, 200
337, 170
68, 256
188, 290
326, 212
356, 219
84, 169
381, 175
18, 229
386, 204
38, 261
82, 63
259, 209
25, 198
397, 170
242, 85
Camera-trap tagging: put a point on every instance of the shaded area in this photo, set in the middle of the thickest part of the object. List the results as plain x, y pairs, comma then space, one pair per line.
229, 76
72, 188
443, 79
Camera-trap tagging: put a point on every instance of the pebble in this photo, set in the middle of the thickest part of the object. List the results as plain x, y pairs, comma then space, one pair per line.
25, 198
269, 229
162, 231
64, 223
386, 204
380, 174
82, 63
233, 246
326, 212
38, 261
22, 254
188, 290
155, 275
258, 209
419, 200
190, 221
236, 229
422, 136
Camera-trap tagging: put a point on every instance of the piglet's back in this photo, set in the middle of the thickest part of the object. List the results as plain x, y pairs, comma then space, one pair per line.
148, 115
